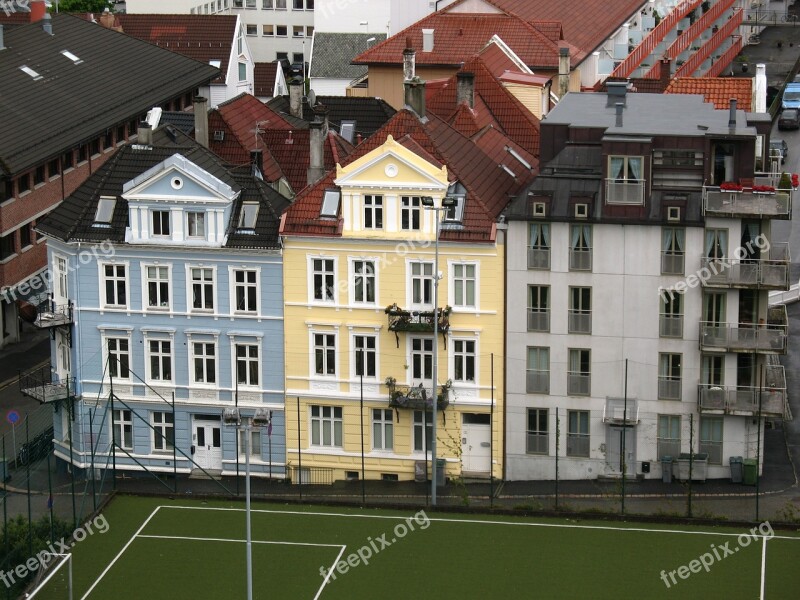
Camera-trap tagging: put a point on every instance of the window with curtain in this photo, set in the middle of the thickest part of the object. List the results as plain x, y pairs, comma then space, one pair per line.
625, 168
540, 236
716, 246
672, 250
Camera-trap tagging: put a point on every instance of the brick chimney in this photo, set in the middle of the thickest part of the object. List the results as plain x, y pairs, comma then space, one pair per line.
415, 96
144, 135
38, 10
465, 88
563, 71
666, 72
296, 98
201, 120
318, 131
409, 61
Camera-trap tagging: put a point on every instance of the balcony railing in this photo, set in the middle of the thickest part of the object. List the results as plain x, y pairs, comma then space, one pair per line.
669, 388
539, 319
738, 400
417, 320
538, 258
670, 326
537, 382
769, 338
416, 397
672, 263
578, 384
767, 273
538, 443
629, 192
747, 203
45, 386
580, 259
49, 314
579, 321
621, 411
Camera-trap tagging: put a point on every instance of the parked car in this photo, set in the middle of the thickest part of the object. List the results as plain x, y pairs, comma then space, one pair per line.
789, 119
779, 147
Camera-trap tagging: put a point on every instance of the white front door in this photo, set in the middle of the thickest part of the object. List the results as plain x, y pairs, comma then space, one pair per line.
614, 441
207, 442
476, 443
62, 356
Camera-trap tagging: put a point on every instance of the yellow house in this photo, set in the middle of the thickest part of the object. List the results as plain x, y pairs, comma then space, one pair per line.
359, 265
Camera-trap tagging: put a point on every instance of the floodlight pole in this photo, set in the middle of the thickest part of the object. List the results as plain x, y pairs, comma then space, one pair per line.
248, 429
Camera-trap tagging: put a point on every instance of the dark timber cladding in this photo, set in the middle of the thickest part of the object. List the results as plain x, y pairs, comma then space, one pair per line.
67, 102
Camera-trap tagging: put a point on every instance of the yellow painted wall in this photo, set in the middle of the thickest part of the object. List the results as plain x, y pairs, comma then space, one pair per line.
387, 81
529, 95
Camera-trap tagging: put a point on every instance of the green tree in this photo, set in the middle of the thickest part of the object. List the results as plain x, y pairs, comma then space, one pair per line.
19, 551
82, 6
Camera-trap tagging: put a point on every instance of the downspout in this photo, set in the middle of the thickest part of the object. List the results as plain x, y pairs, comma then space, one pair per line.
503, 227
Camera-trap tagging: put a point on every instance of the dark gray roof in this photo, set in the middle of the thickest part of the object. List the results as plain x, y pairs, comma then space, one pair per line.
73, 219
180, 120
333, 52
118, 78
370, 114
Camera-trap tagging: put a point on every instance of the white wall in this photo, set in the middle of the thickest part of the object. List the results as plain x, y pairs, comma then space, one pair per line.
382, 16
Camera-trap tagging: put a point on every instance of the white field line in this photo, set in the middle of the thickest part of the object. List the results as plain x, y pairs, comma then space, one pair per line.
763, 567
207, 539
481, 521
42, 585
330, 571
116, 558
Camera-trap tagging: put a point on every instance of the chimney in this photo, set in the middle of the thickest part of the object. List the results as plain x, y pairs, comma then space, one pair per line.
38, 10
201, 120
759, 83
2, 45
427, 40
620, 106
616, 90
256, 162
316, 163
409, 62
321, 114
563, 71
47, 24
465, 88
145, 134
415, 96
666, 72
732, 115
296, 98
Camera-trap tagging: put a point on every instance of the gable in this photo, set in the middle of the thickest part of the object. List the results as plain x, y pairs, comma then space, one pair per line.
474, 7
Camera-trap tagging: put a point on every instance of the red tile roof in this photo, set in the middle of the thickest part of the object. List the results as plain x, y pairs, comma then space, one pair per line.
489, 186
264, 78
716, 90
201, 37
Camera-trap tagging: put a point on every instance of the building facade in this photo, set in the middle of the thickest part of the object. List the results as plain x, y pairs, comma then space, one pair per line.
640, 265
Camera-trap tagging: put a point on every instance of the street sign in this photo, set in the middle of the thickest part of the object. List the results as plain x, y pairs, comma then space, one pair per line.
12, 417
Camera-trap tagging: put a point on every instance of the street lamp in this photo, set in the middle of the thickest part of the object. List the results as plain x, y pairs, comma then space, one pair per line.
446, 204
233, 418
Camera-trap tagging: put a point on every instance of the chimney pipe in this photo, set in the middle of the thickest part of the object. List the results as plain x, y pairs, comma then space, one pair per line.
47, 24
620, 106
316, 163
201, 120
296, 98
415, 96
732, 114
38, 10
2, 45
666, 72
465, 88
409, 64
563, 71
145, 134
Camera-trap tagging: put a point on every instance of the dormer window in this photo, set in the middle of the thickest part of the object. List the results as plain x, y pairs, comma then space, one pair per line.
248, 216
161, 222
105, 211
373, 212
196, 224
330, 204
456, 194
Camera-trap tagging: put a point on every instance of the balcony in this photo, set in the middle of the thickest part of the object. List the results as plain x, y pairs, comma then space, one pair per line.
625, 192
539, 258
766, 273
539, 319
744, 401
416, 397
746, 337
672, 263
618, 412
417, 321
537, 382
580, 259
669, 388
747, 203
579, 321
578, 384
49, 314
670, 326
45, 386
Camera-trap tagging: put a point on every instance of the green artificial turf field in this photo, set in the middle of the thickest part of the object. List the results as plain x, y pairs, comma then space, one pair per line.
160, 549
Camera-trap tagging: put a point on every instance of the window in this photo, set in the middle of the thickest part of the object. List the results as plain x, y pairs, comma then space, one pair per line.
205, 362
255, 443
298, 31
579, 372
669, 435
7, 248
538, 439
331, 199
247, 364
297, 4
672, 251
163, 432
161, 222
373, 212
538, 371
39, 175
410, 213
324, 277
421, 361
625, 180
83, 154
52, 168
464, 361
268, 30
366, 357
326, 426
364, 281
539, 246
325, 353
713, 373
539, 308
671, 318
157, 287
280, 30
95, 147
246, 290
61, 276
580, 310
160, 360
422, 422
280, 4
123, 429
116, 292
669, 377
464, 285
24, 183
243, 66
68, 159
25, 235
196, 224
580, 248
251, 30
105, 210
266, 4
108, 139
250, 4
422, 283
711, 438
119, 358
6, 189
382, 429
202, 288
248, 216
716, 246
578, 433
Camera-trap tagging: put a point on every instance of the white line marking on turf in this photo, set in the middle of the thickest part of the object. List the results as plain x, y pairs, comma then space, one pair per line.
325, 582
479, 521
116, 558
208, 539
763, 567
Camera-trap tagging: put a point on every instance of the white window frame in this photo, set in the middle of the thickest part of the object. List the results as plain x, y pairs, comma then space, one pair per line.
255, 443
60, 275
190, 283
411, 209
146, 288
149, 355
235, 345
354, 362
668, 439
104, 279
455, 355
313, 355
106, 338
423, 352
331, 419
382, 420
122, 423
422, 424
153, 213
373, 206
162, 426
311, 273
352, 279
454, 280
232, 271
193, 356
195, 213
410, 278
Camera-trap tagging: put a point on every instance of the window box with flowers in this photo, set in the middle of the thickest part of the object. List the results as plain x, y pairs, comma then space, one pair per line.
763, 189
730, 186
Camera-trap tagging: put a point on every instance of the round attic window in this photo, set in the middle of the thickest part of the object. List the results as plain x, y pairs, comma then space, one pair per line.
391, 170
177, 183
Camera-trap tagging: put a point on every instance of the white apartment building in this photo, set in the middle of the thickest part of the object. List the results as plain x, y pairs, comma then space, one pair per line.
372, 16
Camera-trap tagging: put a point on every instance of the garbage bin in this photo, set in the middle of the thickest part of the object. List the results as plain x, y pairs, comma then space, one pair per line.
666, 469
736, 469
440, 468
750, 471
